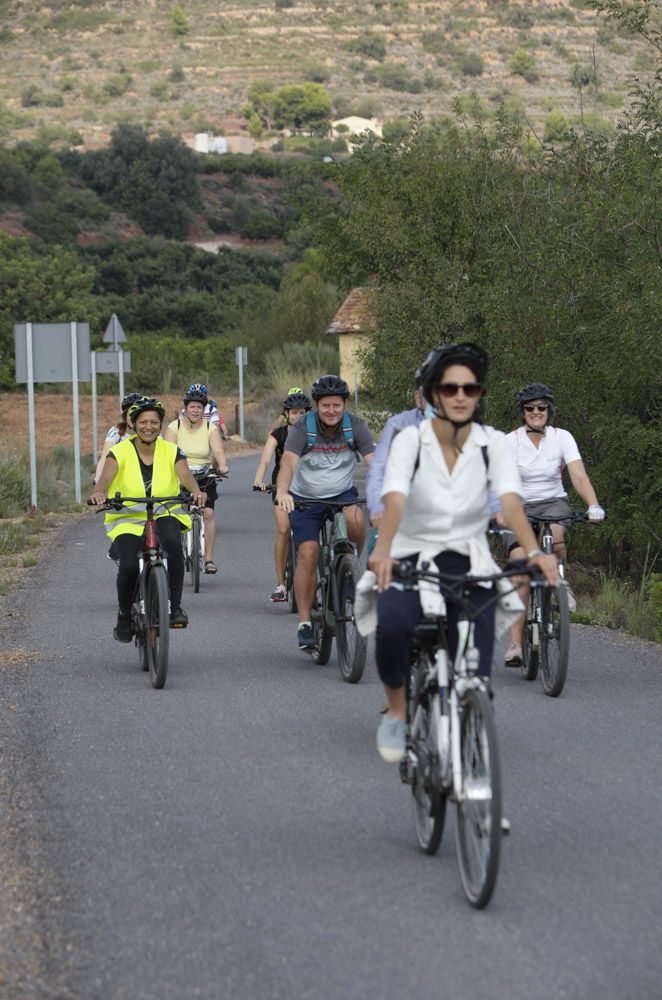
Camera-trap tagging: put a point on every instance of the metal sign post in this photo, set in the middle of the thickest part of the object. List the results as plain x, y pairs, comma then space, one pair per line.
241, 359
31, 421
106, 363
93, 379
120, 358
74, 383
52, 352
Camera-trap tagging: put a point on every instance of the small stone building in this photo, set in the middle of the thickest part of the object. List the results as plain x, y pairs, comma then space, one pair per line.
353, 321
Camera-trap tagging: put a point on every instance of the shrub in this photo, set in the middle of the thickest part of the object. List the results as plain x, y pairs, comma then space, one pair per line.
523, 64
518, 16
395, 131
299, 364
471, 64
316, 73
397, 77
433, 41
32, 96
14, 486
158, 90
176, 75
180, 25
116, 86
557, 127
368, 44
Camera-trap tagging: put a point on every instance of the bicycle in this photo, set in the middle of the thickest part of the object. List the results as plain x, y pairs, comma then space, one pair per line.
193, 542
451, 749
339, 571
546, 636
290, 565
150, 611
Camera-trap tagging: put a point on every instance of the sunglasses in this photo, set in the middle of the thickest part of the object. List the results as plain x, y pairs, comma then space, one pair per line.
470, 389
541, 407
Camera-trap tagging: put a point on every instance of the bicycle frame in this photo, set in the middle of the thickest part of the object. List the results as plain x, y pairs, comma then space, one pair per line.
334, 543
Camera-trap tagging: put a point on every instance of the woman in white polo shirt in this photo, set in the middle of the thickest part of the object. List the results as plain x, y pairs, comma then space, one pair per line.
436, 506
542, 452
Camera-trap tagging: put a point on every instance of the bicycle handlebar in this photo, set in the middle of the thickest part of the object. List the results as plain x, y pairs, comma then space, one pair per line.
117, 502
410, 575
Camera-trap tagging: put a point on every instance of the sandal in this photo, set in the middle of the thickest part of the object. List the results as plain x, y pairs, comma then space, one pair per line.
210, 567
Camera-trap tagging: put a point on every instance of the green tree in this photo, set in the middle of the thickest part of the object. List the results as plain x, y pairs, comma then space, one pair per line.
41, 285
302, 106
180, 25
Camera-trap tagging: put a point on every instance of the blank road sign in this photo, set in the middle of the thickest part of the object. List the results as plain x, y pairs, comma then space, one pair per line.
108, 363
51, 352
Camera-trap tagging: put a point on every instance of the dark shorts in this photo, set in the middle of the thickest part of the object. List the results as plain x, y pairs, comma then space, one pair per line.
534, 509
209, 488
306, 524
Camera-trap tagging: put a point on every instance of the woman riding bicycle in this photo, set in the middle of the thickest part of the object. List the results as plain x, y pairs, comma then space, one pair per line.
119, 431
296, 404
211, 411
143, 465
542, 452
201, 443
436, 507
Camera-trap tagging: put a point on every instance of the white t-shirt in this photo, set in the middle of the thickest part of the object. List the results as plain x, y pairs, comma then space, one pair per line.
541, 468
447, 510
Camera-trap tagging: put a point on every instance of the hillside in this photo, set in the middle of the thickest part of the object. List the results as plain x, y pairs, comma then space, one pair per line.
81, 67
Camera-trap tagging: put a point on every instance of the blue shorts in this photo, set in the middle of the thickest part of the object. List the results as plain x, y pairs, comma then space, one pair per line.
306, 524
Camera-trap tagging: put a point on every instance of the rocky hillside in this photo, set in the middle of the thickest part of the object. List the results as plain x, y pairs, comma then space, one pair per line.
74, 69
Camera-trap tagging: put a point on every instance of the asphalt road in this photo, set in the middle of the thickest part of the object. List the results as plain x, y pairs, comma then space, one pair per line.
236, 835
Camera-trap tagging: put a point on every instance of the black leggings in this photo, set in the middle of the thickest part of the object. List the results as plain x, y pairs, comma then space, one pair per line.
399, 612
128, 546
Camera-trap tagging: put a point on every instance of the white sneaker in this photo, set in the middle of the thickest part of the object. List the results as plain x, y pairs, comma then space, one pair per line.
391, 739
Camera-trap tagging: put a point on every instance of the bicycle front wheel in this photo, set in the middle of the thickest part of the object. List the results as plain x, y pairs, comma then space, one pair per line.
290, 567
157, 629
196, 554
351, 646
530, 657
554, 640
324, 636
429, 797
478, 839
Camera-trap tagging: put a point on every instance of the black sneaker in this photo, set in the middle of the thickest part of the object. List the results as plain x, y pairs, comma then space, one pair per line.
306, 635
178, 618
123, 631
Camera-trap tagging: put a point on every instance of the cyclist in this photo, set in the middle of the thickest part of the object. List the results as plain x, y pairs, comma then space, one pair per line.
373, 486
119, 431
318, 462
211, 411
542, 453
142, 464
436, 507
294, 406
201, 443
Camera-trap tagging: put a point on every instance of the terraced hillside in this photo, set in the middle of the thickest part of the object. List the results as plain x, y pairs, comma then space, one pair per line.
80, 67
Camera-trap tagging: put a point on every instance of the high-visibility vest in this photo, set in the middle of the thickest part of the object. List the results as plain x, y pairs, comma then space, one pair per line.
128, 482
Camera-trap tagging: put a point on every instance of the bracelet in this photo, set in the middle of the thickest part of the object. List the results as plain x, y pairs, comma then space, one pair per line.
534, 552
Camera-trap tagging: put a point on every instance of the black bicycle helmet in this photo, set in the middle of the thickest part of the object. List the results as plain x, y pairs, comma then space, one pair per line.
297, 401
130, 399
197, 387
471, 355
534, 390
196, 396
330, 385
143, 405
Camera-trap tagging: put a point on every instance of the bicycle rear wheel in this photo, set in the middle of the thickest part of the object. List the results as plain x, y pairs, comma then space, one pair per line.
554, 640
478, 839
157, 630
530, 655
290, 566
429, 798
196, 554
351, 646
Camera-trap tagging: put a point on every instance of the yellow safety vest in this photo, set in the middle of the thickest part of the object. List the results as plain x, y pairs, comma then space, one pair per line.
128, 482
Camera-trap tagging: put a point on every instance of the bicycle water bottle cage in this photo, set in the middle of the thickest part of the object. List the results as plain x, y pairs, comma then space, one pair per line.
151, 538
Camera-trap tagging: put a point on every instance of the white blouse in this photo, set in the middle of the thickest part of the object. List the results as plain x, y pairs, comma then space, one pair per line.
448, 510
541, 468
